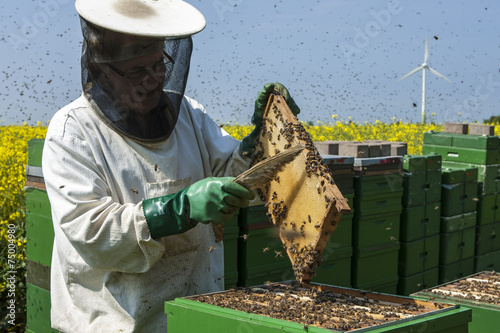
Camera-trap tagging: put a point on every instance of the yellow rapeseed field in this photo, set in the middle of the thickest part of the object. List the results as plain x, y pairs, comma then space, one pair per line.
353, 131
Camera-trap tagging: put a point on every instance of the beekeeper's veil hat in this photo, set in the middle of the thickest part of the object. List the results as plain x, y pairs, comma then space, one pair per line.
118, 30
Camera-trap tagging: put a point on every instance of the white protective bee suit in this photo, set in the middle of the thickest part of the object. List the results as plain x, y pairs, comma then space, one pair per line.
108, 274
104, 257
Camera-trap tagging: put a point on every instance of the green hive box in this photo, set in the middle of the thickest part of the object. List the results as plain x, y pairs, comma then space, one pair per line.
481, 142
422, 179
38, 316
335, 267
374, 264
35, 150
386, 285
414, 186
488, 209
458, 236
458, 191
420, 221
485, 316
487, 238
214, 319
467, 155
376, 230
384, 203
487, 262
418, 256
488, 176
433, 186
413, 283
456, 270
39, 242
380, 184
414, 163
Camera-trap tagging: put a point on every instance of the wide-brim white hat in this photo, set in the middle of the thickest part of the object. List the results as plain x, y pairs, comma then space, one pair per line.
149, 18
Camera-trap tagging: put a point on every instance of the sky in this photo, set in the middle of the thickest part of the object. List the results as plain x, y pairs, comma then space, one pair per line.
340, 59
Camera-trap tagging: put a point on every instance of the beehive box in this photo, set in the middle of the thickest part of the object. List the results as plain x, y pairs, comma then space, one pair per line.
303, 200
477, 149
479, 292
488, 176
39, 236
420, 221
284, 307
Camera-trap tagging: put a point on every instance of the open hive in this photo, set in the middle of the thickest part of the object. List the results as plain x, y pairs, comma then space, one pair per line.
482, 287
302, 201
322, 306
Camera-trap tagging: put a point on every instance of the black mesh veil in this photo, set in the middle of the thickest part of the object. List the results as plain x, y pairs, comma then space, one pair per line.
102, 47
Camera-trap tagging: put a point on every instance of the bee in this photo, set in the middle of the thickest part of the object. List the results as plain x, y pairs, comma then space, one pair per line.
156, 167
244, 236
265, 249
211, 249
62, 186
134, 191
436, 37
278, 254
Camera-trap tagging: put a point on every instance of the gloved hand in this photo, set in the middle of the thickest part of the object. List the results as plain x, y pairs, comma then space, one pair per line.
248, 143
213, 199
263, 97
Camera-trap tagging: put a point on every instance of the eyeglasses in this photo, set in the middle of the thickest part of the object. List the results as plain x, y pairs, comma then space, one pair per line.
159, 69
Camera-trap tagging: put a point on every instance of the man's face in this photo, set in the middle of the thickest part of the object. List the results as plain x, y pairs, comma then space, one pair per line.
135, 83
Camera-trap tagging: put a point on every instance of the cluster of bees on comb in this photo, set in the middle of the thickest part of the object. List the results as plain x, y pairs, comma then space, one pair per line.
483, 287
280, 133
312, 306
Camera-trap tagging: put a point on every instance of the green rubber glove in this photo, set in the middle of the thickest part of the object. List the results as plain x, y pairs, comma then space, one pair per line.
248, 143
212, 199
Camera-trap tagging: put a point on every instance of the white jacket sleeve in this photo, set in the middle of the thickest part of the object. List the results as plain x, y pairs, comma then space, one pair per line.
217, 147
106, 234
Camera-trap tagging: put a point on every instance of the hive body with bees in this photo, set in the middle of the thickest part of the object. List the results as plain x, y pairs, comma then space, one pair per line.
479, 292
294, 307
302, 200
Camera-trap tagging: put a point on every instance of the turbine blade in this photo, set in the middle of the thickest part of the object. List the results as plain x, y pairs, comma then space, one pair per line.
435, 72
426, 56
411, 73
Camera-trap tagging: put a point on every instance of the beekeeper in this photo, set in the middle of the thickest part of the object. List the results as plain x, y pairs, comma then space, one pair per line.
136, 172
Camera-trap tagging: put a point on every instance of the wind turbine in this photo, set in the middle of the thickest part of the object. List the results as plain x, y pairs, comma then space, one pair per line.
423, 67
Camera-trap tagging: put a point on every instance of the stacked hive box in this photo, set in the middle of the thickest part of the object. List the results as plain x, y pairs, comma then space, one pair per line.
459, 196
39, 235
378, 189
376, 225
487, 249
458, 223
420, 223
